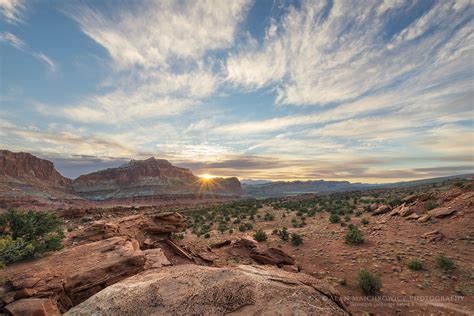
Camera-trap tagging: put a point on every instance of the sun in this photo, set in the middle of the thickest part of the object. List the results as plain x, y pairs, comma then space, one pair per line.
207, 177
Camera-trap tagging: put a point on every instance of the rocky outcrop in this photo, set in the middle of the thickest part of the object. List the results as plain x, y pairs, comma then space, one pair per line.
246, 247
149, 177
442, 212
272, 256
200, 290
27, 181
70, 276
26, 166
433, 236
143, 228
382, 210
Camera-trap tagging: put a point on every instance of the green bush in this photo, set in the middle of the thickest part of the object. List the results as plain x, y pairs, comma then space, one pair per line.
13, 250
269, 217
444, 263
296, 239
364, 221
334, 218
260, 235
430, 204
354, 236
415, 265
369, 282
28, 234
207, 235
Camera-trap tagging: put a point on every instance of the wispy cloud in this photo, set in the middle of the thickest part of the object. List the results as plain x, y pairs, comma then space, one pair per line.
159, 56
338, 51
12, 10
11, 39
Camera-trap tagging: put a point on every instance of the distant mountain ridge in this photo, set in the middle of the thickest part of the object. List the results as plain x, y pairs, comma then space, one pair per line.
25, 175
283, 188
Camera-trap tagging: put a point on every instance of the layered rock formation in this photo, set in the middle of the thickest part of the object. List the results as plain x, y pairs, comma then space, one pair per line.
95, 257
27, 179
70, 276
25, 166
199, 290
149, 177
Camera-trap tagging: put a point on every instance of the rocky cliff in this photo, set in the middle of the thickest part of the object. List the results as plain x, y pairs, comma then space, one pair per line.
148, 177
27, 178
25, 166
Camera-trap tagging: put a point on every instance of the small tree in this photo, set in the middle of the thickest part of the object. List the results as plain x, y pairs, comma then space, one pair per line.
334, 218
296, 239
369, 282
354, 236
260, 235
28, 234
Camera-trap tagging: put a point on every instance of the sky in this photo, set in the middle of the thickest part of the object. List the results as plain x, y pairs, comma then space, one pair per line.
365, 91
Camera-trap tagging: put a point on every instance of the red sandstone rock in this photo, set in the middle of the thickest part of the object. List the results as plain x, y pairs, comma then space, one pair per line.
72, 275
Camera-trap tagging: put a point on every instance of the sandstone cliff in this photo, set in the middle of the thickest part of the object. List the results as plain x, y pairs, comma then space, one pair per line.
148, 177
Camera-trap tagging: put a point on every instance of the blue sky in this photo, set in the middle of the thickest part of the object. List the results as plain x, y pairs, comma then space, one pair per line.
374, 92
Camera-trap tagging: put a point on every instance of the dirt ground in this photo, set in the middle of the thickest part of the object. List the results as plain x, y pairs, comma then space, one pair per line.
390, 242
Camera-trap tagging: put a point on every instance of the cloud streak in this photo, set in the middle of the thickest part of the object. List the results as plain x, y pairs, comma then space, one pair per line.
14, 41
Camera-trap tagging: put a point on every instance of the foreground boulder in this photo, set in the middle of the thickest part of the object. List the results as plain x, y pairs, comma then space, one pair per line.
70, 276
200, 290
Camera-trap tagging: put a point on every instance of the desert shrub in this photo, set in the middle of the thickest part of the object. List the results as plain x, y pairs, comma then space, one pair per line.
242, 228
415, 265
28, 234
358, 213
444, 263
269, 217
283, 233
13, 250
354, 236
207, 235
248, 226
369, 282
430, 204
334, 218
364, 221
260, 235
275, 231
296, 239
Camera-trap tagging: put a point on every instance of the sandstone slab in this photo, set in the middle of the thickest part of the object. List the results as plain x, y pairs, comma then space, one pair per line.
199, 290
